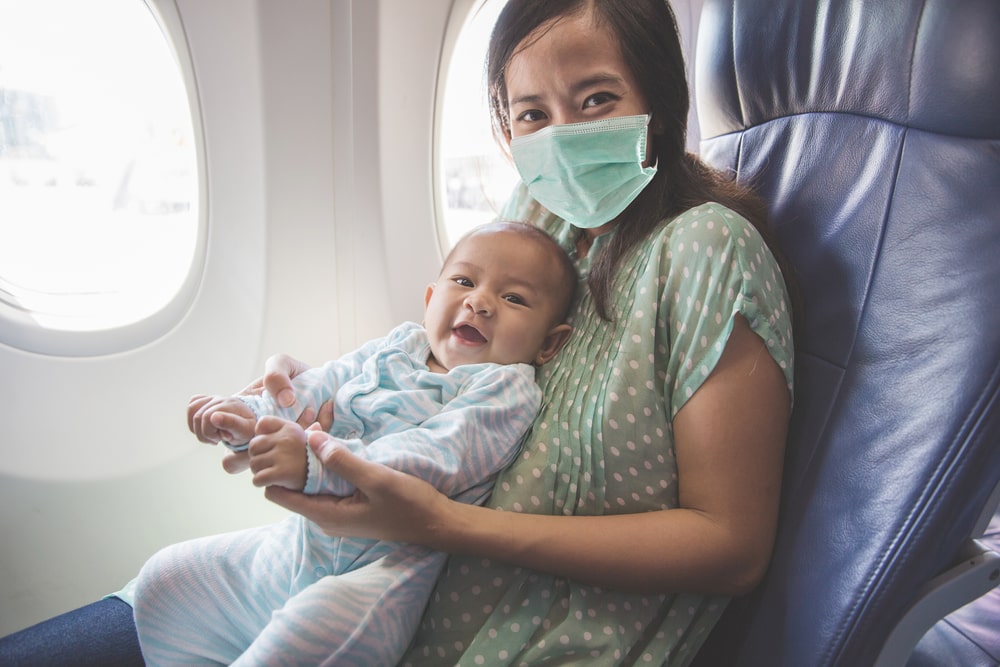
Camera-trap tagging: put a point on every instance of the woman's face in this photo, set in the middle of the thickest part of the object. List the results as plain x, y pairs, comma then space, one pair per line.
569, 71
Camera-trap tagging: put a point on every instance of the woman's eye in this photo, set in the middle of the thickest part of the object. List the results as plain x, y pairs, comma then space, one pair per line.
598, 99
531, 116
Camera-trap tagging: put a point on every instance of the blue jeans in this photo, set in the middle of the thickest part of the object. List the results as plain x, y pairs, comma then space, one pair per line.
101, 634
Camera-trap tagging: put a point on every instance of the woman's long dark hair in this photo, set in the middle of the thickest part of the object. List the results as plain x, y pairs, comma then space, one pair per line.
646, 32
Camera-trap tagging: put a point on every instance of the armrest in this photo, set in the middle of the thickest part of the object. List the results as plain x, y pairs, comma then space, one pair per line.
976, 573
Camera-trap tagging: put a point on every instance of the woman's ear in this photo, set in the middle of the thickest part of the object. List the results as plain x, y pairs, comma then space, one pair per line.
554, 341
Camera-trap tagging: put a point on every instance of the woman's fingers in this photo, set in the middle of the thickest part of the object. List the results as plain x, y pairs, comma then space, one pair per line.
278, 373
386, 505
340, 461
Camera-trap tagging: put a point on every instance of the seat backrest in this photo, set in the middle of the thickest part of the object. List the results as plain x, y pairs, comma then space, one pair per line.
872, 128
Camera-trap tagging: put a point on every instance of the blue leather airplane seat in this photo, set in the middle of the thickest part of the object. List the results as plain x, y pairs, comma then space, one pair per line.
872, 128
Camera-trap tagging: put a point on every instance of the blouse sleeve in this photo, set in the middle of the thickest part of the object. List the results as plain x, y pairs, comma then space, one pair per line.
715, 266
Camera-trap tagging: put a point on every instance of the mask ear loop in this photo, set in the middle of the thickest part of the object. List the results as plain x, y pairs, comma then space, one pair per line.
655, 129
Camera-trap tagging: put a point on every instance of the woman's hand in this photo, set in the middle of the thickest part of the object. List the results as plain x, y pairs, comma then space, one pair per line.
388, 505
277, 380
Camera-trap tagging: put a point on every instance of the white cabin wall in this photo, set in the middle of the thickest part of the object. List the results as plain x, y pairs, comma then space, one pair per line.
297, 74
349, 109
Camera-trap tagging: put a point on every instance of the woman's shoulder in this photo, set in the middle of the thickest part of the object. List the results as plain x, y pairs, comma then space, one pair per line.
709, 223
713, 265
710, 246
712, 237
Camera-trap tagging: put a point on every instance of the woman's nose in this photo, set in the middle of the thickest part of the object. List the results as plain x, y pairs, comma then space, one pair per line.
565, 116
562, 118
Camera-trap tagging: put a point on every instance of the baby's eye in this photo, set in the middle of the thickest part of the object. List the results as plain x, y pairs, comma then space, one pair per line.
464, 282
514, 298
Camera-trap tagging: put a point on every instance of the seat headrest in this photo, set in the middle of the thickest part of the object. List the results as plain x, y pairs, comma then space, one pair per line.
793, 59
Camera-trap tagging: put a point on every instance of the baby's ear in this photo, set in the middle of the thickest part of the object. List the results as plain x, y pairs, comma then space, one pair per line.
428, 293
554, 341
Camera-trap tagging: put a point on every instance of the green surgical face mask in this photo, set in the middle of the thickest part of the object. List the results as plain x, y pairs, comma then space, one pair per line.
586, 173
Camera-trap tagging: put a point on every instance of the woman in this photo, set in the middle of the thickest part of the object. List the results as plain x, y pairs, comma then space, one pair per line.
648, 491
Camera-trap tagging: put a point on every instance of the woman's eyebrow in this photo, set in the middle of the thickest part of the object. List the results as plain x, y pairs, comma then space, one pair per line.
596, 81
526, 99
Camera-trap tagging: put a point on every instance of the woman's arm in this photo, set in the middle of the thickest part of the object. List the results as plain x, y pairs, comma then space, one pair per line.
729, 440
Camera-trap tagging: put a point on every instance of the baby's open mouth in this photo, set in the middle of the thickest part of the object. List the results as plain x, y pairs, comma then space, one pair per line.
469, 333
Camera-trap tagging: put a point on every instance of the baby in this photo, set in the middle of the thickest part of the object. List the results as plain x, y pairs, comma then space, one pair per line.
449, 401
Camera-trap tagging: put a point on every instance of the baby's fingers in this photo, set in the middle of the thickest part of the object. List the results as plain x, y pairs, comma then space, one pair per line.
235, 462
234, 429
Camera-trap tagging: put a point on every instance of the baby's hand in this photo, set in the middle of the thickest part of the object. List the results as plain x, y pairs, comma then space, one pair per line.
278, 454
221, 418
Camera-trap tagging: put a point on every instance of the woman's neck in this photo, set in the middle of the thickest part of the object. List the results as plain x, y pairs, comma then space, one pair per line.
586, 238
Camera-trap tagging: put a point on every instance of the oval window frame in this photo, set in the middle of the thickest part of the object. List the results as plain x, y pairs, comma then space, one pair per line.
463, 14
19, 330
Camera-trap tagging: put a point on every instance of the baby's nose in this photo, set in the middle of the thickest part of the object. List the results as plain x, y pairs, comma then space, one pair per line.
478, 304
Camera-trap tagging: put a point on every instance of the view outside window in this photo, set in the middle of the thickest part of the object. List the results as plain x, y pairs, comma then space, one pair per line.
99, 215
477, 178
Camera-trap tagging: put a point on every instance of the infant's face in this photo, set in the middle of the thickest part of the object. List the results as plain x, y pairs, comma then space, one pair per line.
493, 302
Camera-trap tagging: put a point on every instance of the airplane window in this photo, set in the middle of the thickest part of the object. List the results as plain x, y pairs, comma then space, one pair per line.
475, 177
99, 214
